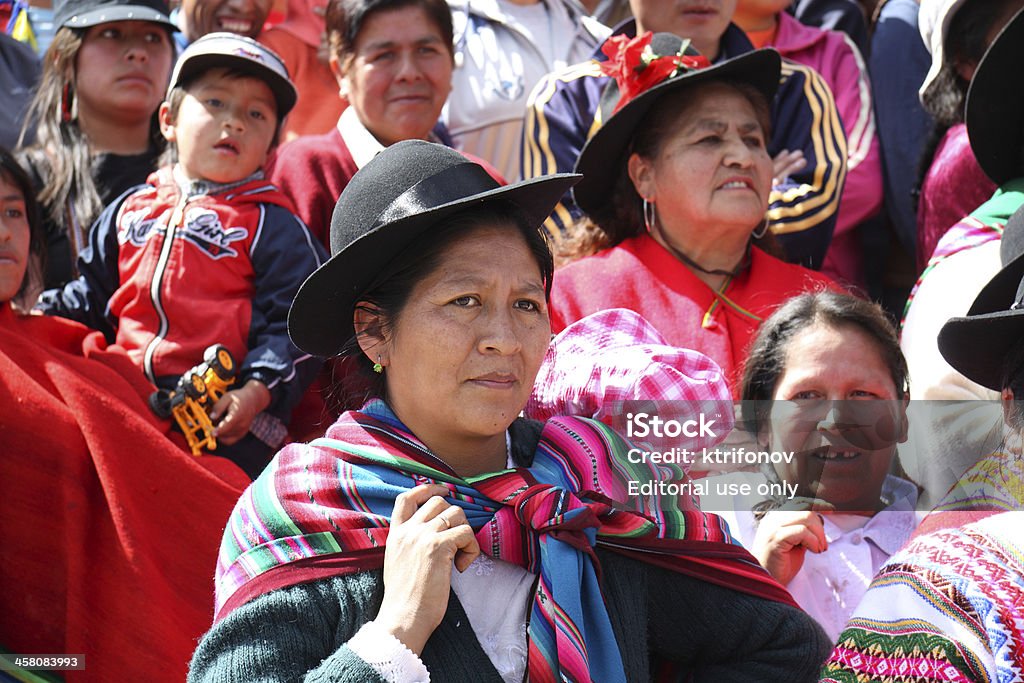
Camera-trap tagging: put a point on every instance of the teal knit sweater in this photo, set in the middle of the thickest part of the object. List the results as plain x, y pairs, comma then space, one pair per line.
299, 633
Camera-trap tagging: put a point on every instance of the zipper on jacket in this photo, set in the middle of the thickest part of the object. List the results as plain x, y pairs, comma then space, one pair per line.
177, 216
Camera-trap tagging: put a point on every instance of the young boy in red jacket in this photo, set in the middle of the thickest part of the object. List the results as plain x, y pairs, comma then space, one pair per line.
208, 251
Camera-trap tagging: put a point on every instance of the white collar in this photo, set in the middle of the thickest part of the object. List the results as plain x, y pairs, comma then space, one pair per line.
361, 143
357, 137
889, 528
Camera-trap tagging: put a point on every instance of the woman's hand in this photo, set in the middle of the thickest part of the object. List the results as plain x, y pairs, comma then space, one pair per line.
237, 409
427, 534
784, 537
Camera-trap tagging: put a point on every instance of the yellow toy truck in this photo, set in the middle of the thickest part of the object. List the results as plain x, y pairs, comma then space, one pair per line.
194, 396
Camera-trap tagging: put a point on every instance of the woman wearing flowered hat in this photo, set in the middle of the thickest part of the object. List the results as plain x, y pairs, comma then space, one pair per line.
337, 563
676, 184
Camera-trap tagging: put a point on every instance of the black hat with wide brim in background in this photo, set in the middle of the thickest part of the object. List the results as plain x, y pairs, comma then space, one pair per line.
604, 155
995, 106
401, 194
978, 344
86, 13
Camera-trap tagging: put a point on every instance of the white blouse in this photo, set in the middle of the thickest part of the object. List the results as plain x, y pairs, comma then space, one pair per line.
831, 584
500, 628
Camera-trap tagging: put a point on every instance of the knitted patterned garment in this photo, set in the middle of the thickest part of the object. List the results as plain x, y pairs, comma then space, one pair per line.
949, 607
996, 482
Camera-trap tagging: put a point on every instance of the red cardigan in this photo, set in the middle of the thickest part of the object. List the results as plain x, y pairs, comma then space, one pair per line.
313, 170
641, 275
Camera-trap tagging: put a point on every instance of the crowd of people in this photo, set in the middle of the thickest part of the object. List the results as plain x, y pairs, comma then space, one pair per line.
446, 247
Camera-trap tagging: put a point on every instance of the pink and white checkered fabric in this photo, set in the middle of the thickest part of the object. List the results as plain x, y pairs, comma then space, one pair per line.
613, 356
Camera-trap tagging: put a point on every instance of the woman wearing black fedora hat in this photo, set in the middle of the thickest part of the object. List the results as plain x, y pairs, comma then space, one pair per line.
950, 602
676, 183
987, 347
966, 257
337, 562
94, 116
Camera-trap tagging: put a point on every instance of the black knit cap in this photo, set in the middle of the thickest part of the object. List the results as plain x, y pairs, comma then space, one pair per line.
86, 13
404, 192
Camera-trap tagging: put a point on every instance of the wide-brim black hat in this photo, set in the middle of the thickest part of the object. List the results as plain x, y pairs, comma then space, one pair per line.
400, 195
86, 13
977, 344
604, 155
995, 106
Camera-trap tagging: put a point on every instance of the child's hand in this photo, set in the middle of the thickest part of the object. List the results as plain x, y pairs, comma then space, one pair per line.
239, 408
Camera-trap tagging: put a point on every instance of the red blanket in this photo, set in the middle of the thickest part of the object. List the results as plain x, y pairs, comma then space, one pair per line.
109, 529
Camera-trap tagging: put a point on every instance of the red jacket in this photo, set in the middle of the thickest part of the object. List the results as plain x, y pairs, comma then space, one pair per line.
166, 274
643, 276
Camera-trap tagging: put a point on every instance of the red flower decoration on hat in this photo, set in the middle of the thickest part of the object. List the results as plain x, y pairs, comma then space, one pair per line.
636, 68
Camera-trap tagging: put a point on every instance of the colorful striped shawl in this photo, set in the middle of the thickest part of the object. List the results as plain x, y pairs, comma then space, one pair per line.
323, 509
983, 225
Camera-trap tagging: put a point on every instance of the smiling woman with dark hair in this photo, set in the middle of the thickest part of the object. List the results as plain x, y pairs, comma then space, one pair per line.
825, 385
393, 62
949, 603
435, 534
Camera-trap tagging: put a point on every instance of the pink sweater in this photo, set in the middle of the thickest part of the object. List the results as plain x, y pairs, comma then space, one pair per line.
953, 188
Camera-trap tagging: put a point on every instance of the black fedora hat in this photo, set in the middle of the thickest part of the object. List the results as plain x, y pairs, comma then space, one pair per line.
978, 344
398, 196
621, 111
86, 13
995, 106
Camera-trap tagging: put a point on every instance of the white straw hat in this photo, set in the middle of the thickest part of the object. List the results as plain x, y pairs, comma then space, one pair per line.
933, 21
